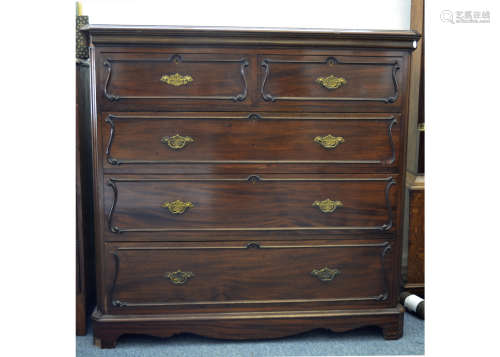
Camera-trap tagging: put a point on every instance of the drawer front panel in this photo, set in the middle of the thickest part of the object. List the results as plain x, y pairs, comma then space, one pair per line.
330, 79
170, 77
224, 138
254, 203
235, 273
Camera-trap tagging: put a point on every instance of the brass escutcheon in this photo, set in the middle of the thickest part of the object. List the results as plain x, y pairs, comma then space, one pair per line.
177, 141
325, 274
329, 141
177, 206
179, 277
328, 205
331, 82
176, 79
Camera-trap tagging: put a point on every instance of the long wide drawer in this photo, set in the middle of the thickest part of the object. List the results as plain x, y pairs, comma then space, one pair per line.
253, 203
166, 275
222, 138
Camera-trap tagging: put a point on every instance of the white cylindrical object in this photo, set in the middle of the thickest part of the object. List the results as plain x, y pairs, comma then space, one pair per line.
412, 301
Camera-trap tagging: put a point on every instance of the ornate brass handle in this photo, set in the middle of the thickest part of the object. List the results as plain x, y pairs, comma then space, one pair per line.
329, 141
325, 274
327, 206
177, 142
177, 206
331, 82
179, 277
176, 79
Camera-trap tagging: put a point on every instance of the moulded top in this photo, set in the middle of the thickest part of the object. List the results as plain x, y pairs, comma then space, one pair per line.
250, 36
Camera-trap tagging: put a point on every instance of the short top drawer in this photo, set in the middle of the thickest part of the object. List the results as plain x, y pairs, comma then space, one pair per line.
249, 80
170, 77
331, 81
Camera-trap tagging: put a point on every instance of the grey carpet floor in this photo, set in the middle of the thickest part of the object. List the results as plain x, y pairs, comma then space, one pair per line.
365, 342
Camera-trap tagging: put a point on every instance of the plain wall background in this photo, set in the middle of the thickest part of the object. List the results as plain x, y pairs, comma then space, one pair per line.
352, 14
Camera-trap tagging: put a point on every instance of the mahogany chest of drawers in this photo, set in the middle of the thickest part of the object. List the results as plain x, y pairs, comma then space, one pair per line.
247, 182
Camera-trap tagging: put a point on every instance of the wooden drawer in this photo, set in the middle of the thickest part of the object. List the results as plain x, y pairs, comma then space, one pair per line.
238, 274
230, 79
234, 203
232, 138
331, 80
169, 77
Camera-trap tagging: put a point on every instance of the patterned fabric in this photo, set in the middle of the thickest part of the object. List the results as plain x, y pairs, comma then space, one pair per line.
82, 47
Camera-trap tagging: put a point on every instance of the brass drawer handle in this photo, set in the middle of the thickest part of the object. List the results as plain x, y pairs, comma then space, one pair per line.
177, 206
329, 141
179, 277
176, 79
177, 141
331, 82
325, 274
327, 206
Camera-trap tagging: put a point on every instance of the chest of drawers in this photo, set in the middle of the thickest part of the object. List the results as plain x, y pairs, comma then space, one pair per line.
247, 182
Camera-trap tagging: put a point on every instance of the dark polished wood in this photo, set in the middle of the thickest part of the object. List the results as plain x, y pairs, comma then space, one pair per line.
246, 36
235, 142
295, 78
255, 79
413, 266
241, 326
250, 251
241, 203
264, 267
85, 276
237, 274
81, 323
135, 139
415, 279
416, 89
210, 77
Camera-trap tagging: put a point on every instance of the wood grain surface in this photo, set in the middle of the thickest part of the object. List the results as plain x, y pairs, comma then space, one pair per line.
252, 235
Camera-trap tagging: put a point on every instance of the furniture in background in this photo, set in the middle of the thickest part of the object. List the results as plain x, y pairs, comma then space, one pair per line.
416, 236
85, 274
413, 265
249, 183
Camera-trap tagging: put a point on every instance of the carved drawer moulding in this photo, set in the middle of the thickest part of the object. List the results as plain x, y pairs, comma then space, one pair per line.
110, 120
384, 246
113, 183
108, 64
